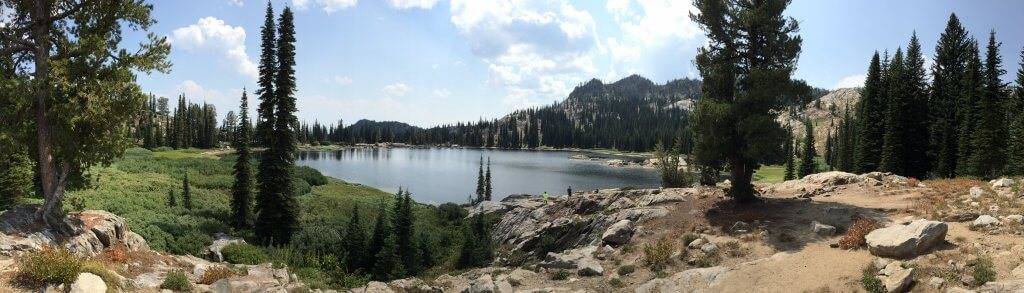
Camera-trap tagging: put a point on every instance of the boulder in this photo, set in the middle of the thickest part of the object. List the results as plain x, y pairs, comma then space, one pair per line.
88, 283
822, 229
976, 192
692, 280
709, 248
618, 233
371, 287
1002, 183
904, 241
483, 284
936, 282
518, 276
94, 232
570, 259
984, 221
1003, 286
220, 241
740, 227
696, 243
1015, 219
832, 178
898, 280
589, 267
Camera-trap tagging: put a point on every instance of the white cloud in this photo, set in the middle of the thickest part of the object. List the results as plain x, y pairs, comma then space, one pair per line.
195, 92
396, 90
342, 80
236, 2
655, 20
409, 4
534, 48
329, 6
851, 81
442, 93
212, 34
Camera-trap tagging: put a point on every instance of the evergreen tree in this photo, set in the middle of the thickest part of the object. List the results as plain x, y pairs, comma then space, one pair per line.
476, 249
916, 114
403, 231
808, 153
171, 201
947, 115
870, 119
788, 151
830, 156
426, 250
752, 49
277, 209
1015, 139
388, 263
989, 133
487, 181
893, 148
972, 89
241, 190
355, 243
381, 232
267, 74
480, 181
186, 193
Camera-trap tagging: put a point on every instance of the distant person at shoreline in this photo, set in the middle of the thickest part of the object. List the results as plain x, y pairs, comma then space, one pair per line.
568, 191
544, 195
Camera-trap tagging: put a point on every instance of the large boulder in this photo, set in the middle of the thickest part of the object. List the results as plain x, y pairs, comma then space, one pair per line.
692, 280
96, 231
88, 283
483, 284
984, 221
832, 178
904, 241
220, 241
581, 260
619, 233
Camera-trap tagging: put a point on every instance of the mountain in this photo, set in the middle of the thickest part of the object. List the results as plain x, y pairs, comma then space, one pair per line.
825, 113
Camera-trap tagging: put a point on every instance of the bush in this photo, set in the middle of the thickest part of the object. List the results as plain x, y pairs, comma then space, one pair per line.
214, 274
870, 282
112, 281
49, 266
659, 255
616, 282
243, 254
311, 176
317, 238
301, 187
176, 280
451, 213
689, 237
192, 243
854, 236
560, 275
626, 270
983, 271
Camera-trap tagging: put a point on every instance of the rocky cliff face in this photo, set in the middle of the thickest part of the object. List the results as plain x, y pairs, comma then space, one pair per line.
825, 112
21, 232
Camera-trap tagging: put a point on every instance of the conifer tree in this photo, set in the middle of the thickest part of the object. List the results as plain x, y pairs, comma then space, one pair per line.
752, 48
947, 114
989, 132
893, 149
870, 119
808, 152
916, 142
1015, 139
403, 231
267, 73
788, 151
971, 90
241, 190
355, 243
480, 181
171, 201
427, 252
186, 193
381, 231
830, 155
487, 181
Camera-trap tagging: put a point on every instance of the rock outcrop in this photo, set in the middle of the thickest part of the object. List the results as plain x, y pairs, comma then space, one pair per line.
692, 280
579, 260
904, 241
20, 231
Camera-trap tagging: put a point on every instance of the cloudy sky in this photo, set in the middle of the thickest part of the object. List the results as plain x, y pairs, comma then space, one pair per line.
429, 62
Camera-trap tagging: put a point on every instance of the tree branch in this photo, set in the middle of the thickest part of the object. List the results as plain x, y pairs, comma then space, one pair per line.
74, 9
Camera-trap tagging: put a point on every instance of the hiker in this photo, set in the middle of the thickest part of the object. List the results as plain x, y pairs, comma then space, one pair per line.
545, 196
568, 191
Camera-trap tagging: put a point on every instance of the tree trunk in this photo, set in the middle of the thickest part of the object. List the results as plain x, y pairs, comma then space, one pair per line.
742, 190
53, 182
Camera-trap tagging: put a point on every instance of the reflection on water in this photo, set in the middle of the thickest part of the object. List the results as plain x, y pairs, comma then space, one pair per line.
436, 175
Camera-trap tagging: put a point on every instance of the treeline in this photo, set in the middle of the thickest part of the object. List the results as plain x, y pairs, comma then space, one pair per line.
191, 125
963, 121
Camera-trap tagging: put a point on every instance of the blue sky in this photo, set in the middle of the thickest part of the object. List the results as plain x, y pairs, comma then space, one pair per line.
429, 62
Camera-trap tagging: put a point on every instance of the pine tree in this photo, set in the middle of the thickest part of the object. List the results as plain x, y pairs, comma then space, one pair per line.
487, 181
355, 243
788, 151
388, 262
870, 119
807, 155
1015, 139
972, 89
480, 182
277, 209
947, 116
426, 250
916, 142
830, 156
186, 193
241, 190
403, 231
381, 232
989, 133
893, 148
752, 48
267, 74
171, 201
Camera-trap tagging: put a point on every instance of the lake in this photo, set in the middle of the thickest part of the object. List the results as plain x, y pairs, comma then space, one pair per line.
438, 175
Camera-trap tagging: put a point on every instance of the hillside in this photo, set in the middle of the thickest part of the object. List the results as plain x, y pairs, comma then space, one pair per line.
825, 114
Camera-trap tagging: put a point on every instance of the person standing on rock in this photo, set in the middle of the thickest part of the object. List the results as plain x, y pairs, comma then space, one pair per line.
544, 195
568, 191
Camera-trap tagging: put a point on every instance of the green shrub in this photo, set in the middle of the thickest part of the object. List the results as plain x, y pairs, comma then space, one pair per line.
49, 266
300, 186
214, 274
310, 175
659, 255
176, 280
192, 243
983, 271
560, 275
451, 212
317, 238
616, 282
626, 270
243, 254
111, 279
870, 282
689, 237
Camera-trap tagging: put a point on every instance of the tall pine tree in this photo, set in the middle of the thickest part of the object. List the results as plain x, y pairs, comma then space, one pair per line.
355, 243
788, 151
916, 81
870, 119
947, 116
808, 152
972, 88
267, 74
1015, 139
893, 148
990, 132
241, 190
480, 181
487, 181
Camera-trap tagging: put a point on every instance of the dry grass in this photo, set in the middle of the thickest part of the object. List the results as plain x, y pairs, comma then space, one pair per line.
659, 255
214, 274
854, 236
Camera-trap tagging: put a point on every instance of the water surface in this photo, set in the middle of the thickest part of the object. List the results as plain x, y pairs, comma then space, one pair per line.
437, 175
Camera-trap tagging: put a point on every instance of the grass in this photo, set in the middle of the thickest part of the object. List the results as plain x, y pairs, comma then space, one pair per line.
770, 174
659, 255
243, 254
136, 187
177, 281
983, 271
870, 282
48, 266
